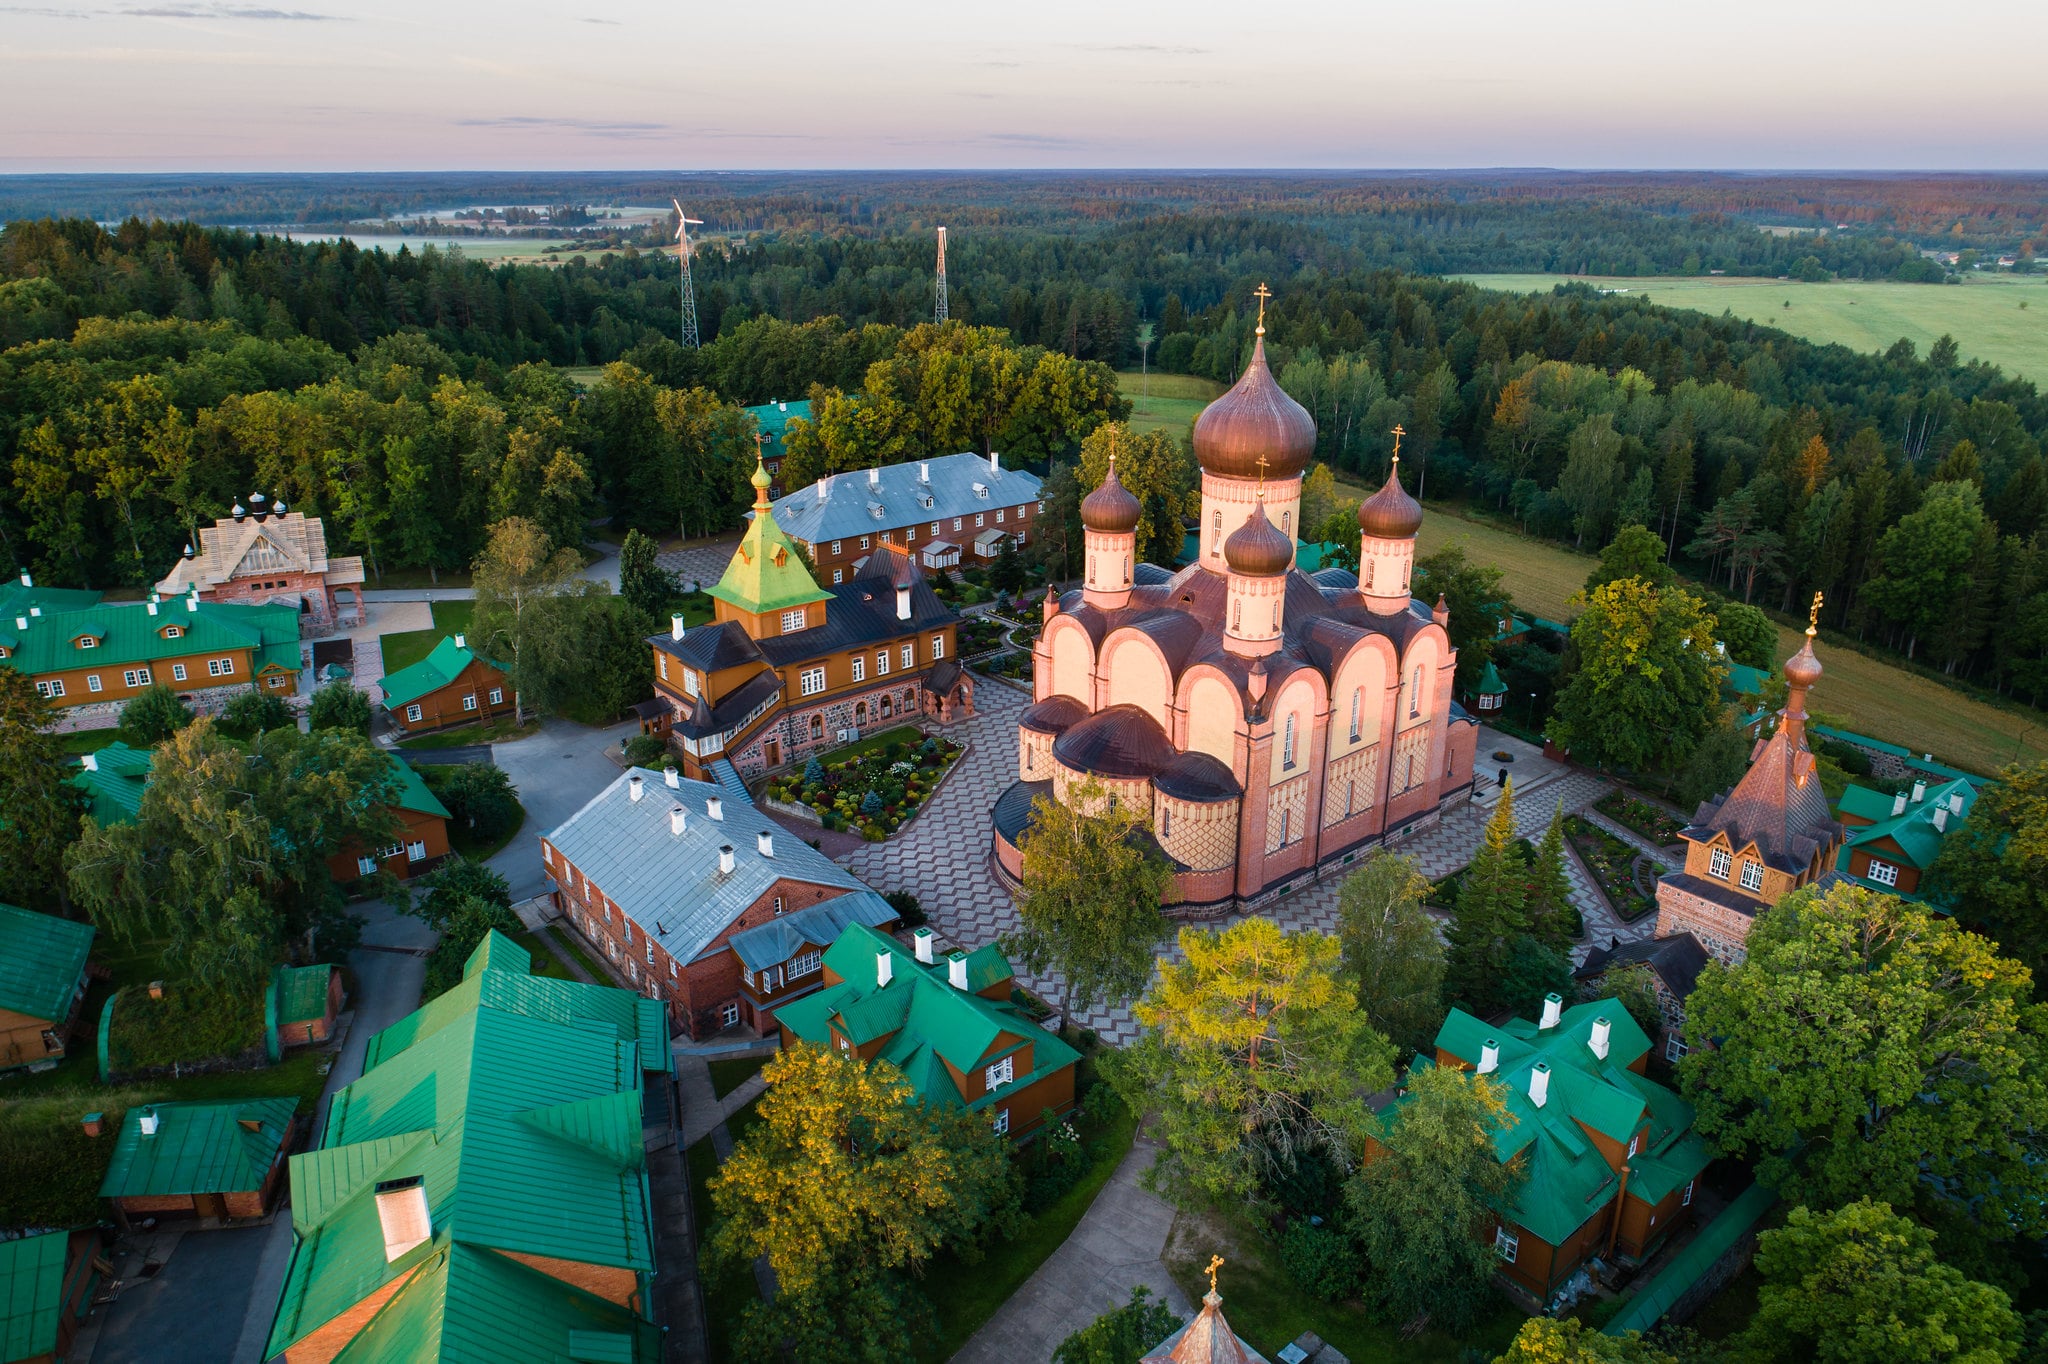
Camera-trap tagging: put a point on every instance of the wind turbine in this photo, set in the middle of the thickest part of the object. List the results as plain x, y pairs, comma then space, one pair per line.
683, 224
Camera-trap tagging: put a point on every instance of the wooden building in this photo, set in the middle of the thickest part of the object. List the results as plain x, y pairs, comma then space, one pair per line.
42, 986
947, 510
1891, 840
300, 1007
453, 685
422, 841
948, 1024
224, 1158
46, 1286
85, 655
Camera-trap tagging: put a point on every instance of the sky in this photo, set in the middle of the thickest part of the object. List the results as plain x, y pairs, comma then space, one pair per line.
339, 85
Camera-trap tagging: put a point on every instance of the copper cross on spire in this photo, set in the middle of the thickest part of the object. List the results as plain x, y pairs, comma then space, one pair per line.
1262, 293
1215, 1263
1262, 478
1112, 449
1813, 617
1398, 432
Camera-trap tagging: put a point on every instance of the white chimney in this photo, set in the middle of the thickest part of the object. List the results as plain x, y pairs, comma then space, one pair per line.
1919, 791
725, 859
885, 968
924, 475
27, 581
782, 406
21, 622
821, 490
402, 1213
150, 1122
675, 782
1955, 802
1598, 1041
90, 762
903, 601
995, 462
35, 611
874, 478
1941, 819
1489, 1056
675, 626
461, 641
921, 940
152, 608
956, 970
714, 806
1553, 1010
1539, 1083
1899, 803
633, 786
765, 841
678, 819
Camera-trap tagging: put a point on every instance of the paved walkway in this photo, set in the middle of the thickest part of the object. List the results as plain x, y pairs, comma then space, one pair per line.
703, 1110
701, 563
1116, 1246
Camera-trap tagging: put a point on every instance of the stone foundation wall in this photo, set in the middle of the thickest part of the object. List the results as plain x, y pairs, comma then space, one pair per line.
1720, 930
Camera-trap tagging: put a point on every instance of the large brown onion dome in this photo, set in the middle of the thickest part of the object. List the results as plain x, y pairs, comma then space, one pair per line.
1110, 508
1255, 419
1390, 514
1258, 548
1803, 669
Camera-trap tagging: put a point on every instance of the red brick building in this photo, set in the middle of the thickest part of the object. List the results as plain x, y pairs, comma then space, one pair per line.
266, 554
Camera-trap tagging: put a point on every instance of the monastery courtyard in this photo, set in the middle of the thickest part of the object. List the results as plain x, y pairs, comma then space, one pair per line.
943, 856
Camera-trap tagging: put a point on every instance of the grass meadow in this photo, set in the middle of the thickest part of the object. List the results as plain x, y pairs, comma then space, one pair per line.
1999, 318
404, 648
1168, 402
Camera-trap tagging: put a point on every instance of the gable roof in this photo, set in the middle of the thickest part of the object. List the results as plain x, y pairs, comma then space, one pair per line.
669, 884
133, 632
413, 792
489, 1101
114, 778
1913, 829
42, 958
232, 547
845, 506
31, 1293
440, 667
764, 573
932, 1022
198, 1147
863, 611
772, 420
1676, 960
779, 939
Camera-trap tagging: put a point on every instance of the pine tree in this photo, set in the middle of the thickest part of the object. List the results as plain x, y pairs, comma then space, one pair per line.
1491, 907
1550, 893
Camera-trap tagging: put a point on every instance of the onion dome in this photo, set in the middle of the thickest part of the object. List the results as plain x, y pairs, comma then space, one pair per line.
1255, 420
1390, 514
1258, 549
760, 479
1122, 741
1110, 508
1802, 670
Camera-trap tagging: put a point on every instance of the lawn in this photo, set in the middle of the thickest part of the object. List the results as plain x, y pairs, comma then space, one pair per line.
1866, 694
82, 741
729, 1073
406, 579
579, 956
1168, 402
504, 729
545, 963
1984, 313
407, 647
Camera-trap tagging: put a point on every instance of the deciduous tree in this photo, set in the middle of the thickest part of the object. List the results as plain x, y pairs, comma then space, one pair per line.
42, 806
253, 712
1477, 599
1567, 1340
1391, 949
1993, 870
1122, 1336
338, 705
1633, 553
1157, 470
1645, 679
153, 715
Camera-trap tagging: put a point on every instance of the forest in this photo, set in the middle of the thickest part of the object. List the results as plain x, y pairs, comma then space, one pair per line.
156, 372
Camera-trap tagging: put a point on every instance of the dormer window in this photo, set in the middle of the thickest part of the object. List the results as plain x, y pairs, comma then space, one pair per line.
1752, 874
1718, 863
88, 642
174, 631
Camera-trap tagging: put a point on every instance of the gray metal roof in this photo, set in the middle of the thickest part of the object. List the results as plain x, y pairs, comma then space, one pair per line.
778, 940
870, 501
669, 883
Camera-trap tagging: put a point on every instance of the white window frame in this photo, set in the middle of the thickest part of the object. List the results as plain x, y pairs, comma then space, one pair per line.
1674, 1048
51, 687
1685, 1199
1000, 1073
935, 525
416, 851
909, 656
938, 647
88, 642
1506, 1244
1884, 873
497, 696
220, 667
864, 543
1002, 1122
138, 677
469, 701
980, 520
999, 515
860, 669
1719, 863
810, 681
793, 621
177, 672
729, 1014
838, 576
174, 631
1635, 1144
1752, 874
956, 523
803, 963
92, 680
366, 866
835, 546
882, 663
412, 714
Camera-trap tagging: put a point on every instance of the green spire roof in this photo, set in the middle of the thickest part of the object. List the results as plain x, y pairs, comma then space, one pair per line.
1490, 683
765, 573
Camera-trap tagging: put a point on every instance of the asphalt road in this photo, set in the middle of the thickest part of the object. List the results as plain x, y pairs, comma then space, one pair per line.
557, 771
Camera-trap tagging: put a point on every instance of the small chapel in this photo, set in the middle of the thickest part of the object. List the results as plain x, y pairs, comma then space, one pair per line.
1274, 724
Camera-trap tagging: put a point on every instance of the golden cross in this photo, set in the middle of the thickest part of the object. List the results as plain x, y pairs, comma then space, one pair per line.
1112, 449
1262, 478
1813, 616
1262, 293
1215, 1263
1398, 433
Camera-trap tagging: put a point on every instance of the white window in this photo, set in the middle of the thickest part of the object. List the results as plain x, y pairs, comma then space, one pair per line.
221, 667
882, 663
811, 682
415, 851
92, 681
835, 546
366, 866
1215, 534
497, 696
178, 672
1718, 863
1674, 1047
863, 542
88, 642
999, 516
1357, 710
1685, 1199
1415, 696
671, 969
860, 670
792, 621
173, 631
1506, 1244
979, 520
909, 656
1752, 874
53, 687
838, 576
1287, 743
1634, 1143
661, 665
938, 647
778, 904
1002, 1123
469, 701
412, 713
729, 1015
935, 528
956, 523
803, 963
135, 677
386, 854
1884, 873
1001, 1073
1020, 513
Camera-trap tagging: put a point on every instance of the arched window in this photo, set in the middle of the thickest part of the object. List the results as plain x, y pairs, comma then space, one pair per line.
860, 712
1127, 570
1091, 569
1415, 695
817, 727
1216, 533
1166, 821
1237, 614
1357, 710
885, 707
1287, 522
1287, 744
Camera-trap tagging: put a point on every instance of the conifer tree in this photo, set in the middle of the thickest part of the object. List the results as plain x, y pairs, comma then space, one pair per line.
1492, 906
1550, 893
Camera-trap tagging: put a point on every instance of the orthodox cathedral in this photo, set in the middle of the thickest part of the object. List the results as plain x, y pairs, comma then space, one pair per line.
1275, 724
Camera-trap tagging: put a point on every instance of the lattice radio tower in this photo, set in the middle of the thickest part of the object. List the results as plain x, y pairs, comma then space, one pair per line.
683, 225
939, 313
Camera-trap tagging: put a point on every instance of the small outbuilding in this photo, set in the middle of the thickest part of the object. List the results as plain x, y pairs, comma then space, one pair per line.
300, 1008
46, 1284
42, 985
219, 1159
453, 685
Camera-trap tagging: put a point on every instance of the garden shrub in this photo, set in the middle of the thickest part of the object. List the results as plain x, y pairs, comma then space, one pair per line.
190, 1025
1321, 1260
907, 908
646, 750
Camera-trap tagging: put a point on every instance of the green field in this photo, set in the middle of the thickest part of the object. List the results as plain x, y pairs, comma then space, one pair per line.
1870, 696
1168, 402
407, 647
1999, 318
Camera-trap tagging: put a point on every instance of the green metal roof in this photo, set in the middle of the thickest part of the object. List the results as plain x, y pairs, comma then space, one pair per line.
1683, 1270
930, 1020
18, 599
31, 1294
1490, 683
519, 1110
41, 960
197, 1147
413, 792
1743, 680
301, 992
1913, 830
114, 779
765, 573
773, 421
128, 633
440, 667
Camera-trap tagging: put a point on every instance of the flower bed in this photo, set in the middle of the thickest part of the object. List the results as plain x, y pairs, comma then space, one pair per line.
871, 793
1015, 665
1640, 817
979, 634
1613, 864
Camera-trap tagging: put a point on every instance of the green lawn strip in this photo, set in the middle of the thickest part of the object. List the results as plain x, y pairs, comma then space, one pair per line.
82, 741
499, 731
545, 963
409, 579
582, 958
404, 648
731, 1072
966, 1295
1267, 1309
729, 1289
